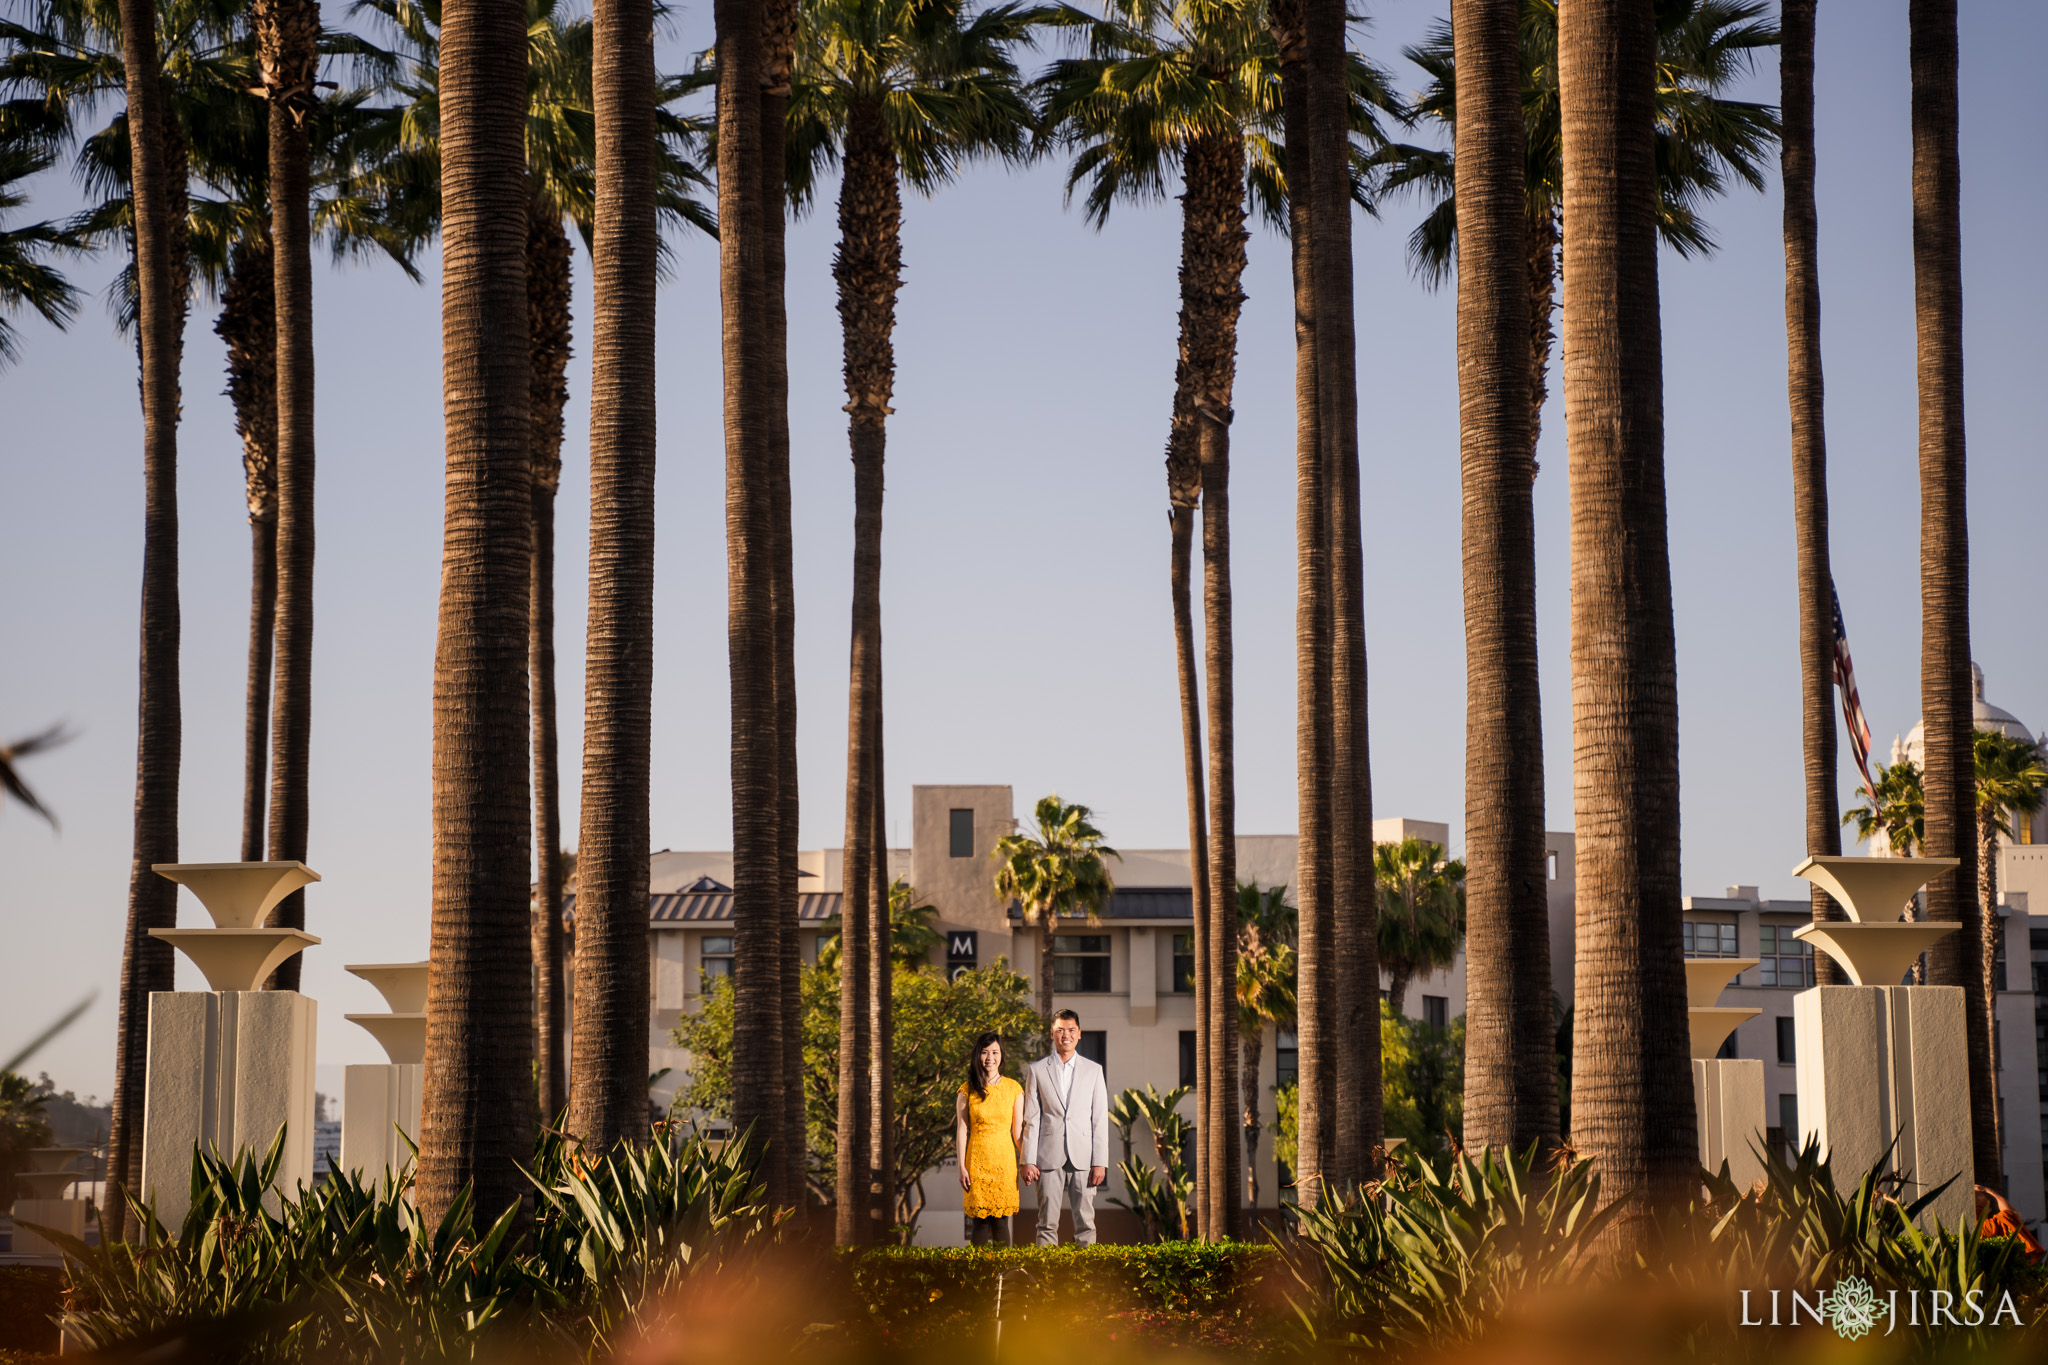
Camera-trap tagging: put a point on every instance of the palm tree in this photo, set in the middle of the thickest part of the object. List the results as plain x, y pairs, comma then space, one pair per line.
1265, 997
1631, 1087
1510, 1068
479, 1000
1809, 452
2010, 781
1421, 912
761, 878
288, 33
1703, 141
893, 91
911, 935
1059, 871
152, 900
27, 280
1945, 549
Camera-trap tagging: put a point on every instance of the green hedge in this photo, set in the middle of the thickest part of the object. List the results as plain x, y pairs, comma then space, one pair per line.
1183, 1292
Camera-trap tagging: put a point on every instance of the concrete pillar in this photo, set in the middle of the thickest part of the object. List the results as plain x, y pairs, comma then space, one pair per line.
44, 1200
1878, 1062
1728, 1101
227, 1071
378, 1102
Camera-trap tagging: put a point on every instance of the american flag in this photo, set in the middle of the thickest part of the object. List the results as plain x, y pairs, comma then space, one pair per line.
1852, 705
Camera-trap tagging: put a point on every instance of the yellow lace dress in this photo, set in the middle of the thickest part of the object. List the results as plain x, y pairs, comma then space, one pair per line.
991, 1155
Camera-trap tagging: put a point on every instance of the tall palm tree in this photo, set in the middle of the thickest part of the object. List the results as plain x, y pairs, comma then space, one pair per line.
2010, 780
288, 33
27, 279
1510, 1066
1632, 1103
1705, 140
1945, 549
479, 999
1809, 452
1421, 920
608, 1095
1059, 871
1265, 998
894, 91
152, 901
760, 878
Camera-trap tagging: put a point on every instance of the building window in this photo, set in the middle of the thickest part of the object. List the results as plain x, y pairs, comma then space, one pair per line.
1286, 1058
1788, 1120
716, 953
1787, 962
1080, 963
1788, 1047
2022, 827
1436, 1011
1708, 940
1998, 955
1187, 1056
1094, 1045
1550, 864
1183, 964
960, 832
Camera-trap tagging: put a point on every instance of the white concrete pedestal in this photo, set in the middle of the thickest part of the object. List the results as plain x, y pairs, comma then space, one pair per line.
45, 1200
1879, 1061
378, 1102
227, 1069
1728, 1102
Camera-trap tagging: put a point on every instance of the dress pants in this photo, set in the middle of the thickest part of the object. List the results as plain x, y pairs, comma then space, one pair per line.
1070, 1187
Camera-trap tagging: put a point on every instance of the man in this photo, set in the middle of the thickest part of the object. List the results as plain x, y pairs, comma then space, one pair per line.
1066, 1132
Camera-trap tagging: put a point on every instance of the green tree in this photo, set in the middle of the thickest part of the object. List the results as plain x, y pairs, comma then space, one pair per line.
2010, 781
1422, 1073
1057, 872
27, 279
1421, 912
23, 1125
940, 1020
1265, 997
911, 933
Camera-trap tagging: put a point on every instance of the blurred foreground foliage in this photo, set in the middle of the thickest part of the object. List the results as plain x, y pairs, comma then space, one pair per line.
669, 1254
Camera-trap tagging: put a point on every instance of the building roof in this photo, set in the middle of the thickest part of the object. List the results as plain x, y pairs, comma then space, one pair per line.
1140, 902
699, 907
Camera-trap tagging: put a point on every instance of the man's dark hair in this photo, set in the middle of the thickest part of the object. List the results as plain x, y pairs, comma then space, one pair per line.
1067, 1014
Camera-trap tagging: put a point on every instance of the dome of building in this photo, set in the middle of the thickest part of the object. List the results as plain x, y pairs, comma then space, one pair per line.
1983, 715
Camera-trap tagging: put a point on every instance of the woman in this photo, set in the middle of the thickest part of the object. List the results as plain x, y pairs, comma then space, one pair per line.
988, 1123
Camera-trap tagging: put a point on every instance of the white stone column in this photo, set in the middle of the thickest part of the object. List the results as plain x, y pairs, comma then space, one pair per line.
45, 1202
381, 1102
1728, 1104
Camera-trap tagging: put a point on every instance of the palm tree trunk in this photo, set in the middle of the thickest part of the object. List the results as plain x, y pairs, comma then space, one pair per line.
778, 54
868, 270
1632, 1104
882, 994
475, 1127
1048, 922
1252, 1047
288, 33
761, 882
152, 901
1948, 770
548, 287
1183, 484
608, 1087
248, 326
852, 1177
1400, 973
1311, 631
1354, 1002
1212, 272
1809, 455
1987, 930
1510, 1060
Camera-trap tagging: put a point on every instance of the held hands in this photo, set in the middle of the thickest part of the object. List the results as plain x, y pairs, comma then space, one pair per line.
1030, 1173
1096, 1175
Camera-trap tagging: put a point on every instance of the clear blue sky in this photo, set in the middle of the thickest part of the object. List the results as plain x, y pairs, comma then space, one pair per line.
1026, 622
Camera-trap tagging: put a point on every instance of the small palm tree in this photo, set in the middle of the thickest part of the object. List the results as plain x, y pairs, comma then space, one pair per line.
1265, 996
1896, 811
1422, 911
1057, 872
911, 935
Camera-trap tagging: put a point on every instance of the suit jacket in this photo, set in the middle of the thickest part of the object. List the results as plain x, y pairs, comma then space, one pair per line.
1073, 1133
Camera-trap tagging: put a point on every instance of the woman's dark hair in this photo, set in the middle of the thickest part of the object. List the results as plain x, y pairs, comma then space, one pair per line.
976, 1082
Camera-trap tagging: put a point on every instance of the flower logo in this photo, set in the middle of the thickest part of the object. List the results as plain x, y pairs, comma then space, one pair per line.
1852, 1309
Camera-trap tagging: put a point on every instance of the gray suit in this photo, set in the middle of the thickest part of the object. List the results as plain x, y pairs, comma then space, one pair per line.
1063, 1137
